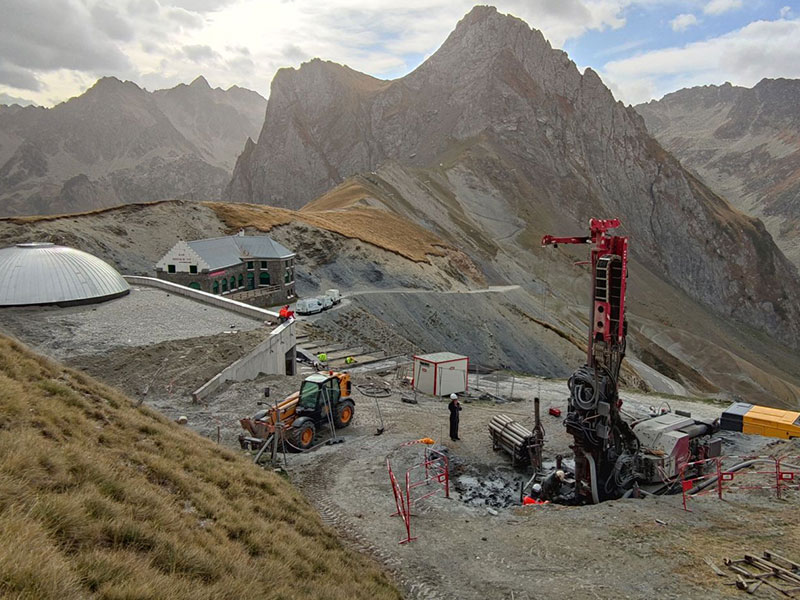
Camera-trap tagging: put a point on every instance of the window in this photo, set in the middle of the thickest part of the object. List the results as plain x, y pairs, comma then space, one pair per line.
249, 265
288, 276
194, 285
263, 264
215, 287
224, 286
309, 391
233, 283
332, 390
192, 268
241, 280
263, 278
170, 268
251, 281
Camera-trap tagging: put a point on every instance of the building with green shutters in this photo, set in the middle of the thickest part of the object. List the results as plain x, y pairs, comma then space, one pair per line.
250, 268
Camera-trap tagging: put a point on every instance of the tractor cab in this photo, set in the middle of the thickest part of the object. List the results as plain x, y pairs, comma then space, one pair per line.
315, 393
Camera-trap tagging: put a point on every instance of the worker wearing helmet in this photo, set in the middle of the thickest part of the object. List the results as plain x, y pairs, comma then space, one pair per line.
454, 407
551, 486
536, 490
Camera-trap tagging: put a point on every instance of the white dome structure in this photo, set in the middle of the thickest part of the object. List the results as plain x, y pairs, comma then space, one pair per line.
43, 273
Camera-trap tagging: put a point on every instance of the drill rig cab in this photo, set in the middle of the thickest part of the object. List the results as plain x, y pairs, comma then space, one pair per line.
323, 399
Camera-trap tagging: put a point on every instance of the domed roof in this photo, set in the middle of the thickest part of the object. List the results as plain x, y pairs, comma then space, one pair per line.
43, 273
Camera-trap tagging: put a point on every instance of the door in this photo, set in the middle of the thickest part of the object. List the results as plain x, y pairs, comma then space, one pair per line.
424, 376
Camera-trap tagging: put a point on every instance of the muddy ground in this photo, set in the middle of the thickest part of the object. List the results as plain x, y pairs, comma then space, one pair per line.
624, 549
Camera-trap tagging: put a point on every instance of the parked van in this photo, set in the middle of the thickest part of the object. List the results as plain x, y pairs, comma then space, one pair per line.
327, 302
308, 306
334, 295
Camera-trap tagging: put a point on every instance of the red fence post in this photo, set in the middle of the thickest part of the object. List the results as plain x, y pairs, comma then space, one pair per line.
719, 477
446, 477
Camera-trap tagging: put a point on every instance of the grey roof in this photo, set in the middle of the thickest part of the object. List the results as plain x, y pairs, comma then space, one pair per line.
439, 357
42, 273
231, 250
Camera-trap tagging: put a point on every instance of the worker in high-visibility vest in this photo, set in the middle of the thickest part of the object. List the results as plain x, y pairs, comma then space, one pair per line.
322, 357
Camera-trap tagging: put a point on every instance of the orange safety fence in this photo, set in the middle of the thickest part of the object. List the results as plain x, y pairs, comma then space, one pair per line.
435, 468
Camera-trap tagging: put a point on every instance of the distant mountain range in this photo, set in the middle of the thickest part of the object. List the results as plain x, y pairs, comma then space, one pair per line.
744, 143
118, 143
498, 138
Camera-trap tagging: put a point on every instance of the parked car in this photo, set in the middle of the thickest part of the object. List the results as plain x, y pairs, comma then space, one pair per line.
334, 295
327, 302
308, 306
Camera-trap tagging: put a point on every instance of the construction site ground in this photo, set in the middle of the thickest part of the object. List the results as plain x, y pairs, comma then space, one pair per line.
466, 548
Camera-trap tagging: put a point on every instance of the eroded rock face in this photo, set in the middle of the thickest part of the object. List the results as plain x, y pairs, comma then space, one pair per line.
744, 143
118, 143
497, 104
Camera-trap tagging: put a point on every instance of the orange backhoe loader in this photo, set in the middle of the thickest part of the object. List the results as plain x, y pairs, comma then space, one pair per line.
323, 400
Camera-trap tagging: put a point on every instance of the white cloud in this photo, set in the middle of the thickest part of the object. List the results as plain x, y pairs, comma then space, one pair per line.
683, 21
743, 57
718, 7
785, 12
164, 42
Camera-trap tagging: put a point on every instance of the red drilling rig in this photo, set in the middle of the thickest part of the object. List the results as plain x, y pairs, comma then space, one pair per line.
605, 446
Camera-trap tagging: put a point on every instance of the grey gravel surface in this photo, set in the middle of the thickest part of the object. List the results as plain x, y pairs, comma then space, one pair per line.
145, 316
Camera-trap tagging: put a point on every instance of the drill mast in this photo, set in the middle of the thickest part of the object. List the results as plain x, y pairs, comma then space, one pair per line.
604, 444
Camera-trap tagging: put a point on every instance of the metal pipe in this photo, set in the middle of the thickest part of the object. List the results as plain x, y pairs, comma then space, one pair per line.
593, 476
742, 465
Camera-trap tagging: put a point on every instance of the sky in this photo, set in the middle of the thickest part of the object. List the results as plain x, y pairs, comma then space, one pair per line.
51, 50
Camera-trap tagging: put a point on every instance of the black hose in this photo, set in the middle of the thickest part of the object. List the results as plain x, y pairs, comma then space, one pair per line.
742, 465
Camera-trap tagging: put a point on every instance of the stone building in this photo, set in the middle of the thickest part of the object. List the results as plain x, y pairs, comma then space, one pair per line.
253, 269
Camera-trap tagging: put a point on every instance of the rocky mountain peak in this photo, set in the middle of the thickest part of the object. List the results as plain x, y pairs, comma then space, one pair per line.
484, 34
200, 83
744, 143
111, 86
119, 143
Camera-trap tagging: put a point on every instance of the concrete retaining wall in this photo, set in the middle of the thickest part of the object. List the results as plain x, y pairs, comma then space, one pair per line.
221, 301
269, 358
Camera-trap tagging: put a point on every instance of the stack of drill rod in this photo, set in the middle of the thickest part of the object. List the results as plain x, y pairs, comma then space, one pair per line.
511, 437
772, 570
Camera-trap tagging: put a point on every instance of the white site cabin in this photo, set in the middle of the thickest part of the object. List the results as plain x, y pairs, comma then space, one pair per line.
441, 373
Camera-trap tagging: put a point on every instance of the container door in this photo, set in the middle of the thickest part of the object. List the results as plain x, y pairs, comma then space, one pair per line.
452, 378
424, 376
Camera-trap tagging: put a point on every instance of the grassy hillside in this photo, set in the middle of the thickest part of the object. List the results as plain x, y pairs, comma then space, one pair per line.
100, 499
377, 227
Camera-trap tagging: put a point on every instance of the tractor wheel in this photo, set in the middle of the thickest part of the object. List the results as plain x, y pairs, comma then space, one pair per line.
303, 431
344, 413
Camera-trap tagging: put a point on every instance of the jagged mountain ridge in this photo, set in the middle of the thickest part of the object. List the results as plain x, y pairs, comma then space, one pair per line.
744, 143
497, 117
118, 143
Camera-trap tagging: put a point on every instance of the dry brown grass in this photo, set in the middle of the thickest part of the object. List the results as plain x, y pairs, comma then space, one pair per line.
377, 227
344, 195
99, 499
